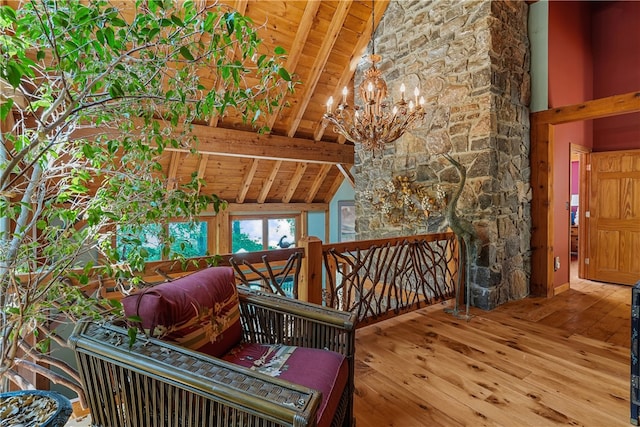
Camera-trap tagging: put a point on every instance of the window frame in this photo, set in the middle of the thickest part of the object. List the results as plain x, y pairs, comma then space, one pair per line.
265, 225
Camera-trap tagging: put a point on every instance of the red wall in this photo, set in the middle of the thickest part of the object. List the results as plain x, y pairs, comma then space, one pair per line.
616, 49
594, 52
570, 82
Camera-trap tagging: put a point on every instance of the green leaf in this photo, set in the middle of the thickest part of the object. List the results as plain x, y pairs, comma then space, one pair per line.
279, 50
184, 51
8, 13
284, 74
5, 108
13, 74
118, 22
177, 21
133, 334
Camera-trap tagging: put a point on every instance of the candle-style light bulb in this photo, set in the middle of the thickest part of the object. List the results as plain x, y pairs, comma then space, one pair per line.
411, 106
329, 104
402, 89
416, 92
421, 101
344, 95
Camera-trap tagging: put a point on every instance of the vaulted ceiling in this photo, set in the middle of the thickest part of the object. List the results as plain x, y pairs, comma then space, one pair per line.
298, 161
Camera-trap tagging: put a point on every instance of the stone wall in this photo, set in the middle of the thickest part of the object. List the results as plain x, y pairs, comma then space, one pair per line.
471, 62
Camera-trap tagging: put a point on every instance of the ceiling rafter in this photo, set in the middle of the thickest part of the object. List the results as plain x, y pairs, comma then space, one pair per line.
202, 168
172, 173
339, 16
304, 28
347, 174
317, 183
266, 186
358, 50
247, 180
241, 7
333, 189
295, 180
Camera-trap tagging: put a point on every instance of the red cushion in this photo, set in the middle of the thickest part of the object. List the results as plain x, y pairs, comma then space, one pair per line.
199, 311
323, 370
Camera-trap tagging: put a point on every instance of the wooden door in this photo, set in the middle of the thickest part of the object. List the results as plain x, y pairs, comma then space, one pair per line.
613, 218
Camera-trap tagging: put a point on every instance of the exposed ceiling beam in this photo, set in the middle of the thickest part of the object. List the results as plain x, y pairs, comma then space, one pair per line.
317, 183
358, 49
246, 180
236, 143
202, 168
596, 109
266, 186
293, 184
347, 174
319, 64
304, 28
241, 7
234, 208
172, 173
334, 188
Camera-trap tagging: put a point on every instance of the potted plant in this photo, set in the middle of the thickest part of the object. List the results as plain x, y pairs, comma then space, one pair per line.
91, 97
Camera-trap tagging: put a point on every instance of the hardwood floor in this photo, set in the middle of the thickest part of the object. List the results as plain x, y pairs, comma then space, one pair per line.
535, 362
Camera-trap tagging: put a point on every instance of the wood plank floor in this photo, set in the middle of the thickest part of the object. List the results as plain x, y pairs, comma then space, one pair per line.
535, 362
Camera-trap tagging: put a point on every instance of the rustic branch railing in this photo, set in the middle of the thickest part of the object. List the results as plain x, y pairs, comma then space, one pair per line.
378, 279
269, 274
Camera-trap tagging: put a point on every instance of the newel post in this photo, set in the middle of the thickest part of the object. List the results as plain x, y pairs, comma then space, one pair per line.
310, 282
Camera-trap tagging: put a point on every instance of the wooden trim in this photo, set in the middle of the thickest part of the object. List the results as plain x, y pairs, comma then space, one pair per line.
583, 154
560, 289
542, 143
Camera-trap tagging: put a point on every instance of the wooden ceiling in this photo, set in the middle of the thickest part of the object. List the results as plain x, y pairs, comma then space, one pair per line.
297, 162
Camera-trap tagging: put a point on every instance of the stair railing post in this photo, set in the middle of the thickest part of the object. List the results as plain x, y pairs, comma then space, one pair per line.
310, 282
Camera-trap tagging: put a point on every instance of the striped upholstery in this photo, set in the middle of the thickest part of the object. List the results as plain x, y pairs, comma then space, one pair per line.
199, 311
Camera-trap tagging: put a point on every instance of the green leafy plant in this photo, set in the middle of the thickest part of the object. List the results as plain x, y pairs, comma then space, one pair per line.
91, 95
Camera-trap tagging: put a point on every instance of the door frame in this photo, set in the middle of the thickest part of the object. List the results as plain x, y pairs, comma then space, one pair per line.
583, 154
541, 158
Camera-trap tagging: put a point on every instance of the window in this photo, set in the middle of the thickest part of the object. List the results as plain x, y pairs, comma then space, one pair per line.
147, 237
250, 234
189, 240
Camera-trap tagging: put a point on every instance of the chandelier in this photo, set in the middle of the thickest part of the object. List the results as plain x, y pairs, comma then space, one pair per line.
374, 124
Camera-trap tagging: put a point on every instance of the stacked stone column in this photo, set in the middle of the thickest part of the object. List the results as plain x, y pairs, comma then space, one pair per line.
471, 62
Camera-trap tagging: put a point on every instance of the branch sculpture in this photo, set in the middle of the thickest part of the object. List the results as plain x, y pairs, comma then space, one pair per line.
467, 239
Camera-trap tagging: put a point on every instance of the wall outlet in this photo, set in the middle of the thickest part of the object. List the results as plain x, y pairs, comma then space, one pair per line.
556, 264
